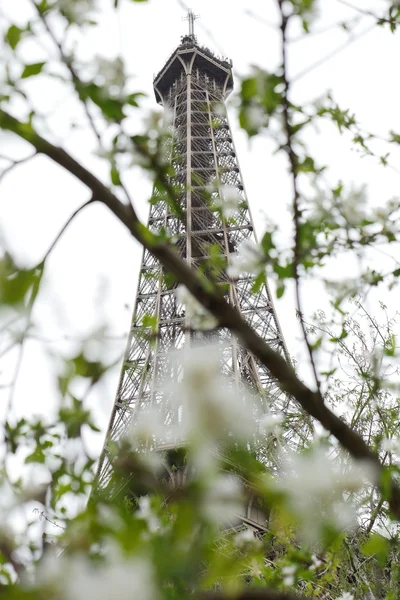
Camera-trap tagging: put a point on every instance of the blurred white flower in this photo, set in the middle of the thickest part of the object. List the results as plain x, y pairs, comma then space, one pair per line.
353, 206
288, 573
212, 406
75, 578
146, 513
346, 596
219, 109
222, 500
391, 445
230, 201
148, 427
254, 116
315, 563
198, 316
271, 424
249, 259
315, 487
76, 11
246, 537
111, 73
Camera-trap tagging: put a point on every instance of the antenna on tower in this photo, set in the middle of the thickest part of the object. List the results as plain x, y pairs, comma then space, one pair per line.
191, 17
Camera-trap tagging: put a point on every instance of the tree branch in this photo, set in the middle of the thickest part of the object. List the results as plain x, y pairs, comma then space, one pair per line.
211, 299
294, 162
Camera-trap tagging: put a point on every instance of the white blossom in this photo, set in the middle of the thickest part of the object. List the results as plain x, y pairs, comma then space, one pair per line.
147, 426
76, 11
230, 201
111, 73
391, 445
353, 206
315, 486
222, 501
212, 406
146, 513
288, 573
198, 316
270, 423
246, 538
76, 578
249, 259
254, 117
346, 596
315, 562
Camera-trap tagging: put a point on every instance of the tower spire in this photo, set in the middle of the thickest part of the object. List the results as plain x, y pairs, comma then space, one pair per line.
191, 18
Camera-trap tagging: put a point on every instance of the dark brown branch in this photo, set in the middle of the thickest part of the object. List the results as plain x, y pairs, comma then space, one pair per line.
227, 316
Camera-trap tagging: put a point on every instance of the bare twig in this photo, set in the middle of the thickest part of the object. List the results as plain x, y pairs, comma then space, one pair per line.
368, 13
30, 307
294, 162
14, 163
332, 54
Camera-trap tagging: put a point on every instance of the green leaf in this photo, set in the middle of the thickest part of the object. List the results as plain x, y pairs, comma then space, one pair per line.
37, 456
86, 368
114, 174
390, 346
15, 283
307, 166
267, 243
112, 108
13, 36
377, 546
280, 290
32, 69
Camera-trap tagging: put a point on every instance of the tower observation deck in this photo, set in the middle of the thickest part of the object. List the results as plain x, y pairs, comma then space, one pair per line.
192, 87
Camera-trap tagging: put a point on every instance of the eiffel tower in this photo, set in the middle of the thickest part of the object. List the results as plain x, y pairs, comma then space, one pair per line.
192, 87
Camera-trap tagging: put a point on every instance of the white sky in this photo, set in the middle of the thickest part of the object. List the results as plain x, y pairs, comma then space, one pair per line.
91, 277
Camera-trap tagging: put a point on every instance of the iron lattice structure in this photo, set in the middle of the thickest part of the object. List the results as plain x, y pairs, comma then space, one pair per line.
193, 87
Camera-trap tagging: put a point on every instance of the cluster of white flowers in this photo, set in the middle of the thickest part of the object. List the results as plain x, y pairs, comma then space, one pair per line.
198, 316
346, 596
146, 513
254, 116
249, 259
246, 538
221, 502
211, 404
76, 11
271, 424
230, 202
75, 578
111, 74
315, 486
391, 445
316, 563
207, 405
289, 573
204, 408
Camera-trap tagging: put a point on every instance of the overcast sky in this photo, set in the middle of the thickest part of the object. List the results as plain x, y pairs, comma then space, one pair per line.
91, 277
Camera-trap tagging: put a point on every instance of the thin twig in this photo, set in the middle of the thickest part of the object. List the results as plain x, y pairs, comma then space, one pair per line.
294, 161
368, 13
332, 54
15, 163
